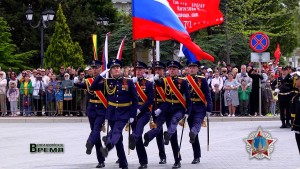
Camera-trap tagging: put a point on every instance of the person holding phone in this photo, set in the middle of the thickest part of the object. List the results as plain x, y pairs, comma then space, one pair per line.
38, 93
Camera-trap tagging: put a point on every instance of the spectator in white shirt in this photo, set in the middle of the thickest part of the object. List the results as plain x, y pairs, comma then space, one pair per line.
244, 75
217, 80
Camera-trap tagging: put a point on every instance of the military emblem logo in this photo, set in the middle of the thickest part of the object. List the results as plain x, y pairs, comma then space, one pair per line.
260, 144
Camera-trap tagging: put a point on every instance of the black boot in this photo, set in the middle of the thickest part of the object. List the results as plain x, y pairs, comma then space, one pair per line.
166, 138
283, 124
131, 142
192, 137
100, 165
196, 161
104, 139
104, 151
147, 140
176, 165
288, 124
89, 146
163, 161
142, 166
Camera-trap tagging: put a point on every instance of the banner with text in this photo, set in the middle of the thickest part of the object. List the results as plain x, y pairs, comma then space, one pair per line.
197, 14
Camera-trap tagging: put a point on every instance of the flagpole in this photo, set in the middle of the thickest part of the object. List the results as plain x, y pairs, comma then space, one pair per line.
157, 51
152, 123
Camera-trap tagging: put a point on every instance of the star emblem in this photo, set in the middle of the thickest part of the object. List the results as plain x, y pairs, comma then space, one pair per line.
113, 60
260, 144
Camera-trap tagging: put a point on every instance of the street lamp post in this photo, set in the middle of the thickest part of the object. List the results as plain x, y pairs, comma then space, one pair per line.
102, 21
44, 21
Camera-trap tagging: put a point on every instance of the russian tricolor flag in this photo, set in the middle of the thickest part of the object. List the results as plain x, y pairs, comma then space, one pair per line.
155, 19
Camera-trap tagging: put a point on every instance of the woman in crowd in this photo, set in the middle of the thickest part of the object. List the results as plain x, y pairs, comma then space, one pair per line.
53, 81
3, 83
231, 97
26, 90
67, 86
38, 93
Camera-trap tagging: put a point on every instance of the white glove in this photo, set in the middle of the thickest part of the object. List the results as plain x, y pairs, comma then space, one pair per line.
138, 112
277, 90
157, 112
186, 116
104, 72
208, 113
134, 79
156, 77
292, 74
131, 120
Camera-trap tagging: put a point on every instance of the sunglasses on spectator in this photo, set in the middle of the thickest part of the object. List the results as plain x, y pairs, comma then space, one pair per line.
81, 74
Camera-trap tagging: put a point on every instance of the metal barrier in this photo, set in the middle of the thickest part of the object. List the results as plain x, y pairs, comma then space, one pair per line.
217, 98
67, 102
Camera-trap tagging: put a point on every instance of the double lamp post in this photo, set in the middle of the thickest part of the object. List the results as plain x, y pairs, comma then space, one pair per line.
44, 21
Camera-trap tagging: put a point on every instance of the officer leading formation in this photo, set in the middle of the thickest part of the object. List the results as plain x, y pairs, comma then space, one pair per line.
132, 103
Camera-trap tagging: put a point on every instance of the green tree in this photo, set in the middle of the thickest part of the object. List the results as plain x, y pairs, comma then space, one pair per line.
62, 51
8, 56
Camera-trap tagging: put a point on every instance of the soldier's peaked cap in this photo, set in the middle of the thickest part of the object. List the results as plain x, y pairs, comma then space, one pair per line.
174, 64
159, 64
140, 64
114, 62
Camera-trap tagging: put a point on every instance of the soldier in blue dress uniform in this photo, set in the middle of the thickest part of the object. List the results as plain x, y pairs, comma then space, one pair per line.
96, 114
201, 103
178, 104
122, 100
295, 110
160, 119
145, 92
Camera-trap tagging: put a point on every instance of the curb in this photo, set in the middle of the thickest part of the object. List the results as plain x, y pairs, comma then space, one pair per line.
85, 119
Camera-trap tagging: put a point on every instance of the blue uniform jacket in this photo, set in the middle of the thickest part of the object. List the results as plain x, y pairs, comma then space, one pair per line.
118, 91
90, 94
199, 106
182, 86
147, 87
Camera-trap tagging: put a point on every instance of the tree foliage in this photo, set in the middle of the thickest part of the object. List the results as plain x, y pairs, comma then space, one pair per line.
280, 19
8, 55
62, 51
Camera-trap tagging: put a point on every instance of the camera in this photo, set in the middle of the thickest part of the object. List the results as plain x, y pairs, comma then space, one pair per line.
39, 78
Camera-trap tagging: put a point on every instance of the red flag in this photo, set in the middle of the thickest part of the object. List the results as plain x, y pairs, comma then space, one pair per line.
197, 14
277, 54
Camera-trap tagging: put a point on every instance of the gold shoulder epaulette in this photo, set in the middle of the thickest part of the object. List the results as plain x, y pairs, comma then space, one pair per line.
184, 78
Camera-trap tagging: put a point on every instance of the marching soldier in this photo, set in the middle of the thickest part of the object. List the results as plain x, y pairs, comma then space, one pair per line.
295, 110
122, 107
96, 111
285, 87
160, 119
145, 92
201, 103
177, 105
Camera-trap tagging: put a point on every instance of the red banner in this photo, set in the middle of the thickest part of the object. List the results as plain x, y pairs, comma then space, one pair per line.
197, 14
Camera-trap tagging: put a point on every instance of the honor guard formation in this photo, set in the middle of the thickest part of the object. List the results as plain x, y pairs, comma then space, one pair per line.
117, 102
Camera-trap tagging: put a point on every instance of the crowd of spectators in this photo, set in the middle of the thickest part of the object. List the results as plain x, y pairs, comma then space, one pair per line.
234, 90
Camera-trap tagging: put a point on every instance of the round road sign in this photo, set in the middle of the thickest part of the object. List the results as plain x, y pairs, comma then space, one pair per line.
259, 42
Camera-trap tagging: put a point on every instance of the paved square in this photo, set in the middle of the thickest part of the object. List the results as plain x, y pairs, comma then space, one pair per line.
227, 148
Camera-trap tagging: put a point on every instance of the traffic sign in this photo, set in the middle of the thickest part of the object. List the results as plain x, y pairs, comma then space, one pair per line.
259, 42
260, 57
